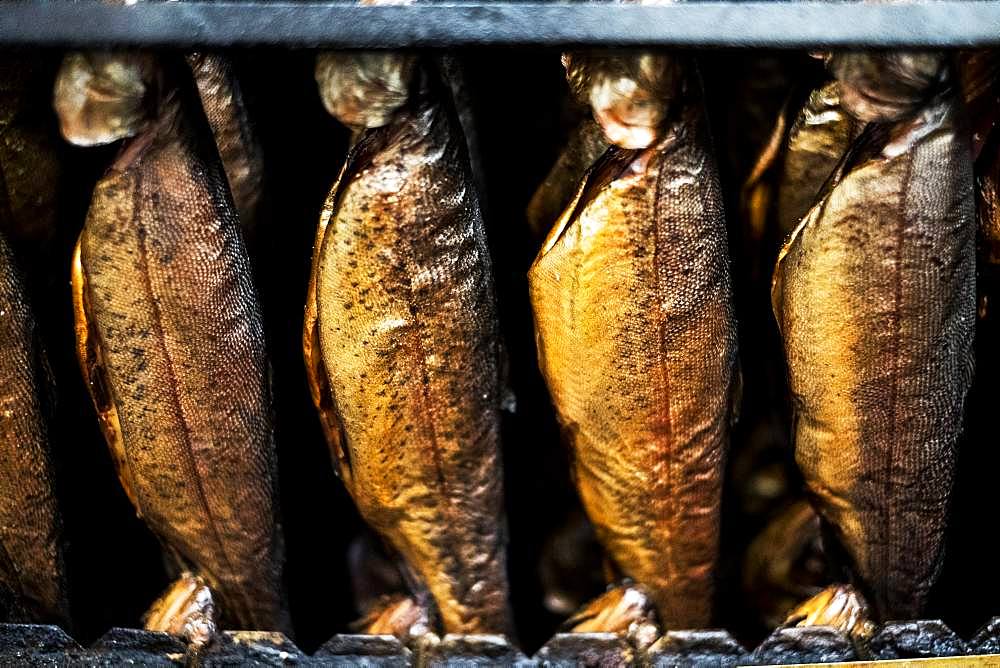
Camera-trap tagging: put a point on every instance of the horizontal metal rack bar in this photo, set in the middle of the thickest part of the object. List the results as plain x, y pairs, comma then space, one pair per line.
925, 643
725, 23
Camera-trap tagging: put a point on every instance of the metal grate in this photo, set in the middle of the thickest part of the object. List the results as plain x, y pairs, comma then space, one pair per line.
49, 645
339, 24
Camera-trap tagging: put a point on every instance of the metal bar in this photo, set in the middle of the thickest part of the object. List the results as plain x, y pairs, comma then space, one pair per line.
979, 661
794, 24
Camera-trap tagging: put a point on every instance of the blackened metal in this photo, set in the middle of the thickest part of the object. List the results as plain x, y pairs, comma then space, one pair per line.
36, 645
711, 649
987, 640
343, 24
15, 637
250, 648
457, 650
369, 651
805, 644
916, 640
566, 650
137, 647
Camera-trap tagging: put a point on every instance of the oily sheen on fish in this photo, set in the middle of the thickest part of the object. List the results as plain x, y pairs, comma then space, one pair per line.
817, 141
170, 338
637, 342
875, 297
402, 344
32, 577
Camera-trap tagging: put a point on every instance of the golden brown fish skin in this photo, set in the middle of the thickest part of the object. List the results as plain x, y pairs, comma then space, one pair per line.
817, 141
802, 153
875, 298
170, 339
637, 342
585, 145
402, 344
31, 563
29, 152
239, 149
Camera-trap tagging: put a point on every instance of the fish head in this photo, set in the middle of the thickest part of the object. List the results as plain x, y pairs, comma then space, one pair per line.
101, 97
364, 89
630, 93
887, 86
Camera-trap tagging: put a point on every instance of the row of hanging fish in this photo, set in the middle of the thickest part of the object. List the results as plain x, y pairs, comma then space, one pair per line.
631, 293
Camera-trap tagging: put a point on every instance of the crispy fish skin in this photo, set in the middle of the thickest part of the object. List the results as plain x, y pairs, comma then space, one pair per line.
637, 342
874, 294
31, 564
402, 344
226, 111
170, 339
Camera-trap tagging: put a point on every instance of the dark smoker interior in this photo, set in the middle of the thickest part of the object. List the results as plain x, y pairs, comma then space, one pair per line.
523, 114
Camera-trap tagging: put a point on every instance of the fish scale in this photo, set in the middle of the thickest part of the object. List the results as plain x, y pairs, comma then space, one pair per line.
31, 565
168, 322
875, 297
637, 343
403, 346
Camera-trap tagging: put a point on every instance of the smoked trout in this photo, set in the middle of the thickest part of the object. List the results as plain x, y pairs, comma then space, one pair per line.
636, 333
401, 336
874, 294
170, 339
32, 576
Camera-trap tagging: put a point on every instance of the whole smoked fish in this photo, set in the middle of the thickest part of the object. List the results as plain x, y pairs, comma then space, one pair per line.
32, 576
874, 294
170, 340
636, 333
401, 336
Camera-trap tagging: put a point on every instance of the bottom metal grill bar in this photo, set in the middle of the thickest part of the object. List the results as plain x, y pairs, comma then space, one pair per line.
899, 643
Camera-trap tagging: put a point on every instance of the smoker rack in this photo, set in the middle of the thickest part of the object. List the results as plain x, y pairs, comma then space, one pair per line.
725, 23
49, 645
311, 24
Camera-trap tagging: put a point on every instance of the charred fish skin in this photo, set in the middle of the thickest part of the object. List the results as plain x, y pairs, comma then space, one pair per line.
874, 294
170, 340
31, 559
637, 342
402, 344
226, 110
